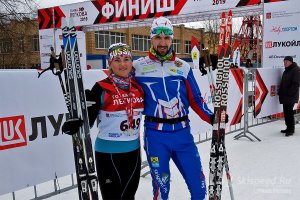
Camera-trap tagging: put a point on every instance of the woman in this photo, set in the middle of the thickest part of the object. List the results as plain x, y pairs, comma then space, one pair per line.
119, 106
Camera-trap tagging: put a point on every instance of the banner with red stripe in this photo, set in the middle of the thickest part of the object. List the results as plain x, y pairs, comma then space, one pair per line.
109, 11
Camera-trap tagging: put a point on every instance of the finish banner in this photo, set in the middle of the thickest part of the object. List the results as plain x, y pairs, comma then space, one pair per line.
107, 11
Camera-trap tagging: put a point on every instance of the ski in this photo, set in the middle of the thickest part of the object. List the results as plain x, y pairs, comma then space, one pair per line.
218, 156
82, 145
83, 114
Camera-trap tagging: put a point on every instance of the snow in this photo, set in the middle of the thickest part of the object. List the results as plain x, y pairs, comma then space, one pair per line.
266, 170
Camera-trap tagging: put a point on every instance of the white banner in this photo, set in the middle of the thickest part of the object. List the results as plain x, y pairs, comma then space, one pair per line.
281, 32
47, 39
32, 147
197, 124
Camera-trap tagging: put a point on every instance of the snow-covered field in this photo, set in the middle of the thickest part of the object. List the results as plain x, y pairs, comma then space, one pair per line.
266, 170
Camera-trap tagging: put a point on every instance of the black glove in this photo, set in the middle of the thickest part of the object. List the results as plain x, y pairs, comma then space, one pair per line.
203, 71
226, 119
72, 126
212, 117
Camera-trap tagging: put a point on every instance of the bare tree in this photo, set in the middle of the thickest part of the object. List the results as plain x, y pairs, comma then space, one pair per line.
17, 19
212, 28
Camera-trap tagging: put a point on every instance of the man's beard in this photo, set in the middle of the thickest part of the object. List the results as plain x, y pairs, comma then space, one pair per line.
165, 51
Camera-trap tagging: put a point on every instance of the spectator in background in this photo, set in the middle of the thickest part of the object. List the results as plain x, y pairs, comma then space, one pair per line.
289, 93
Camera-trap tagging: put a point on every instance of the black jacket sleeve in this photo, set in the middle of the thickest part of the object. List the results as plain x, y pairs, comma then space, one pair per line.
94, 96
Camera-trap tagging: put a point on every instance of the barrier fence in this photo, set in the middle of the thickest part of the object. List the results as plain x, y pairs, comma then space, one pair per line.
63, 184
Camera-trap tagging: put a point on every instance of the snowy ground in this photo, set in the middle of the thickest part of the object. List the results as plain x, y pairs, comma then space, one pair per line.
266, 170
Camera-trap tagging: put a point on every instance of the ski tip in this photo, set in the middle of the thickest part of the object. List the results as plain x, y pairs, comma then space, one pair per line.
223, 15
230, 13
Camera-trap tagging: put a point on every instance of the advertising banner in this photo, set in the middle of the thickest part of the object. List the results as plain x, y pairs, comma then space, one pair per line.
101, 11
235, 96
281, 32
32, 147
266, 92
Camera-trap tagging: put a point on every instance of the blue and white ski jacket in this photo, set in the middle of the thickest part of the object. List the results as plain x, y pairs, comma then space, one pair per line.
170, 89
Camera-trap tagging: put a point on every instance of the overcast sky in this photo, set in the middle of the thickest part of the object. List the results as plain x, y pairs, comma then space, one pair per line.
50, 3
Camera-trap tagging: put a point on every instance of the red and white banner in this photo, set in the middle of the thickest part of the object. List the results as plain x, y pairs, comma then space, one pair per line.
281, 32
266, 88
101, 11
235, 96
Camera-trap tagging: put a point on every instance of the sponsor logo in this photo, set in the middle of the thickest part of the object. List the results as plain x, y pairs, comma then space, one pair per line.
165, 178
268, 15
43, 37
148, 68
173, 70
268, 44
12, 132
80, 12
45, 54
279, 29
154, 161
273, 90
144, 62
115, 114
149, 72
281, 44
179, 72
159, 180
194, 55
280, 56
114, 135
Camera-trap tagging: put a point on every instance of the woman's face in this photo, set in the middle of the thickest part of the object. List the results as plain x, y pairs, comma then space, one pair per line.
121, 65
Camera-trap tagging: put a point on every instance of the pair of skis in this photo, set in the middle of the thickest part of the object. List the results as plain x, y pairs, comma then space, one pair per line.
218, 156
76, 103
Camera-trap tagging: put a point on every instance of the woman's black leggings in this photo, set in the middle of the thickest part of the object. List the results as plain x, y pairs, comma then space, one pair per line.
118, 174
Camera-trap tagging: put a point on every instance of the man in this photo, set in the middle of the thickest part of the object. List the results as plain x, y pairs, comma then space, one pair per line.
170, 88
289, 93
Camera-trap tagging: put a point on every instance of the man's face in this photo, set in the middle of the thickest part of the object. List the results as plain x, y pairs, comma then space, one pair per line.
287, 63
161, 44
